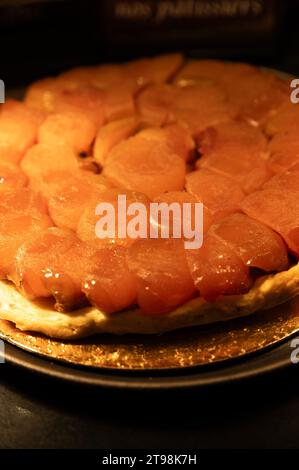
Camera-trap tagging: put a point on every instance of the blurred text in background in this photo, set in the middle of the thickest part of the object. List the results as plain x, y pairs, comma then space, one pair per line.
43, 37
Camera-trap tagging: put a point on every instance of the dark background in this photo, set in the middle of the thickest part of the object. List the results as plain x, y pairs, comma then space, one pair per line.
44, 37
40, 413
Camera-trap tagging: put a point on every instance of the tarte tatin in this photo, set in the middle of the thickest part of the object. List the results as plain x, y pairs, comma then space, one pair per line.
159, 130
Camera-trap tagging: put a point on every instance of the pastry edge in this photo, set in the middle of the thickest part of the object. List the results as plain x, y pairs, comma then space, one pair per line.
268, 291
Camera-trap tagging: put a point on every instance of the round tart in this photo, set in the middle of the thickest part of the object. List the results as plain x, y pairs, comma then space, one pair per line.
155, 131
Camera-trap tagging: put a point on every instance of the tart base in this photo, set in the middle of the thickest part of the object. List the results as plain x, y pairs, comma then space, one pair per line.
40, 317
197, 346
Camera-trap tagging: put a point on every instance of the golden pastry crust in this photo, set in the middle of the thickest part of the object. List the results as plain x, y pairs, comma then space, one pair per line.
267, 292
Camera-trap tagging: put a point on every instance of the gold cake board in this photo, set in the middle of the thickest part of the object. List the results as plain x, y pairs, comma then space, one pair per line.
191, 347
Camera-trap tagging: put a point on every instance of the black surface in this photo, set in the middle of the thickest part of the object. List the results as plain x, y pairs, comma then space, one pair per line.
42, 413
